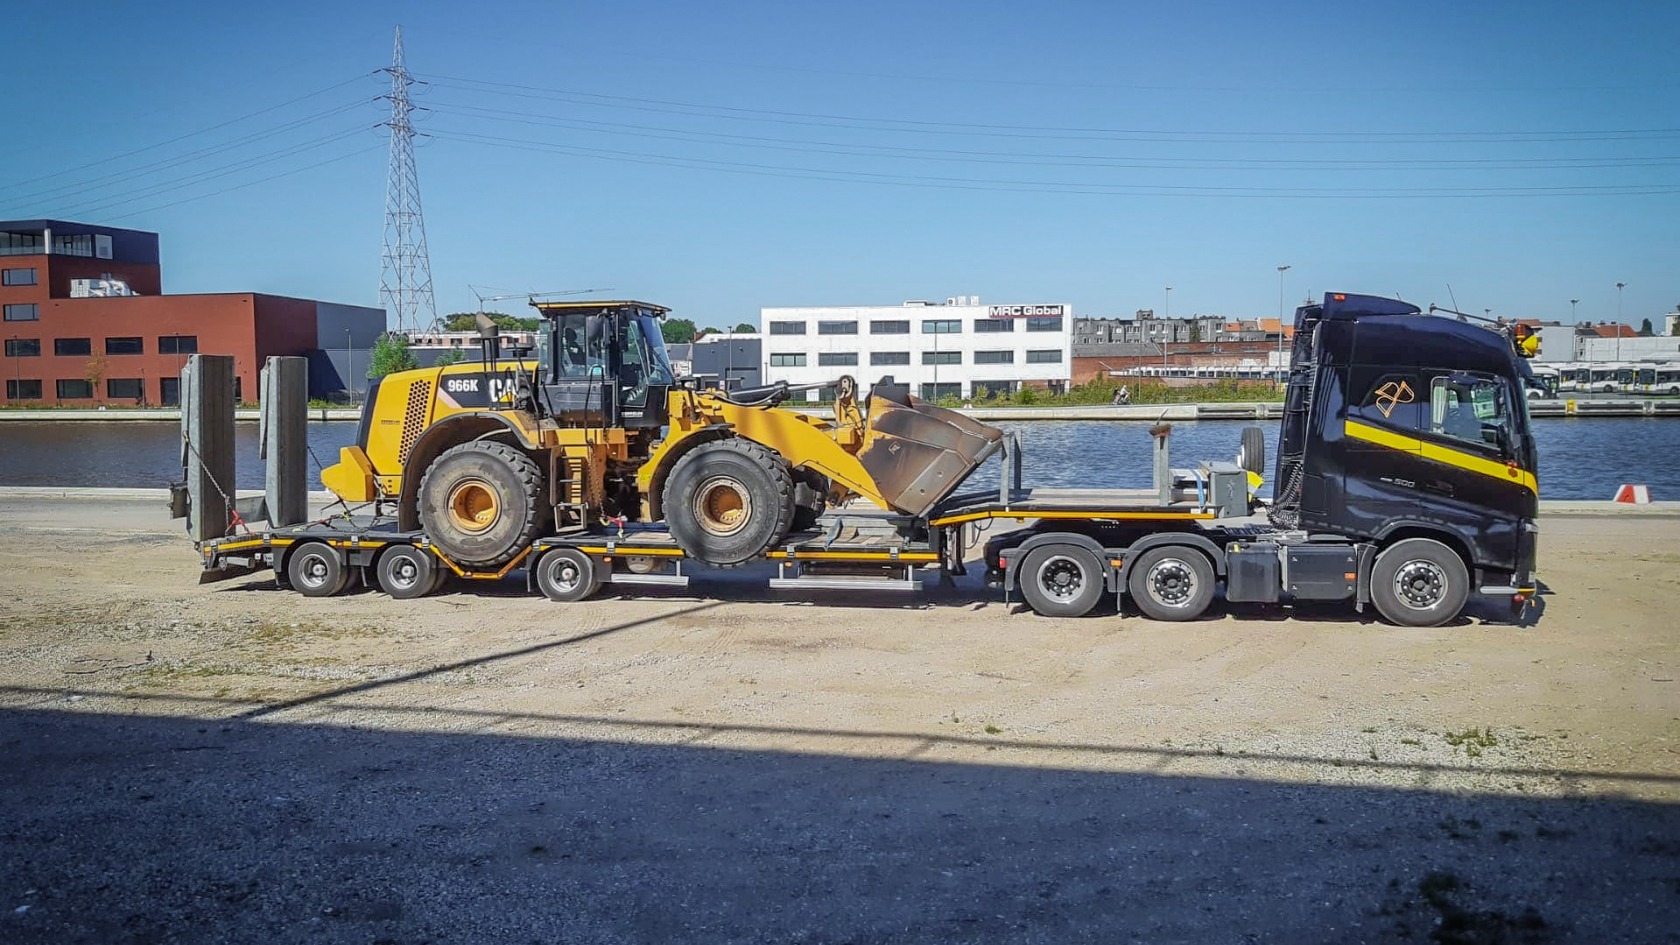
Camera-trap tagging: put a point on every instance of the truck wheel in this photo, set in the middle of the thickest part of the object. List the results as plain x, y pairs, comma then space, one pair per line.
1061, 580
1419, 582
567, 574
316, 570
1171, 582
405, 572
1251, 455
729, 501
481, 503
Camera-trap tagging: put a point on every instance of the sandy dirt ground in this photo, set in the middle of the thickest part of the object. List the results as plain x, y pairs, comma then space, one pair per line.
237, 763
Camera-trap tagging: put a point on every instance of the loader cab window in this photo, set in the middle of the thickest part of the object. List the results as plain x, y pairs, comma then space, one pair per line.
1472, 408
580, 351
645, 363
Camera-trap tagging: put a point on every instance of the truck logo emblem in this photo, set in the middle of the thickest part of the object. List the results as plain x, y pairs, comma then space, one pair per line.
1388, 396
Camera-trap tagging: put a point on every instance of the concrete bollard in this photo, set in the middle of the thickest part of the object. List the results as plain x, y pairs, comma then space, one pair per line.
207, 443
283, 432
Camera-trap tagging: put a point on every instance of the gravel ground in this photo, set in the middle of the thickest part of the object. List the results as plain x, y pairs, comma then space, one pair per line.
234, 763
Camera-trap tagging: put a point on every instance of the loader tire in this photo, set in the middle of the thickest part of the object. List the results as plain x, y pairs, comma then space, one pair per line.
481, 503
729, 502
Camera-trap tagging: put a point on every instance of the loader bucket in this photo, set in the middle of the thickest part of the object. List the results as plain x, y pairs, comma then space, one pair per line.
917, 453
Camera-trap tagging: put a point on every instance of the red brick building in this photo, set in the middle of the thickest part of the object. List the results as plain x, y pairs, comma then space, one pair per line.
75, 336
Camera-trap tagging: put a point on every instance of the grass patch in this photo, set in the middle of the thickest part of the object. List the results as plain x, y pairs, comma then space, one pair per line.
1472, 741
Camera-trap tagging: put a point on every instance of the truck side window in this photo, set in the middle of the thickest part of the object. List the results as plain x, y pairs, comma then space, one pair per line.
1469, 408
1387, 399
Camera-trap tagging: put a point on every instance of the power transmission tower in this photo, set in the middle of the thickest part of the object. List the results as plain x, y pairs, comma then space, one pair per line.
405, 277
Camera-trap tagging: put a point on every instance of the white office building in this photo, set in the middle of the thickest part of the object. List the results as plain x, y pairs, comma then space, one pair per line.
956, 348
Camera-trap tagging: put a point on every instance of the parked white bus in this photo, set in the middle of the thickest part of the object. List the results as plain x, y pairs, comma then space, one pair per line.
1610, 378
1660, 378
1573, 376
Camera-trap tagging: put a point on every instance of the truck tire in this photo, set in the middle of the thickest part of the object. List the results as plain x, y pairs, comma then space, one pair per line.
1419, 582
729, 501
567, 574
406, 572
1251, 455
1172, 582
481, 503
316, 570
1061, 580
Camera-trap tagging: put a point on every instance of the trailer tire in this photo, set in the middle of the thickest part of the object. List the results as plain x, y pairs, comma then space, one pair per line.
481, 503
1251, 455
406, 572
1061, 580
1419, 582
1171, 582
729, 501
567, 575
314, 569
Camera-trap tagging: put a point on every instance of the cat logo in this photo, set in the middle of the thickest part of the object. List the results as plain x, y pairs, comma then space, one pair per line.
1388, 396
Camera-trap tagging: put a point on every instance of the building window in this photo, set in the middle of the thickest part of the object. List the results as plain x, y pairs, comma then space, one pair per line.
188, 344
1053, 356
76, 244
988, 325
72, 347
1047, 323
837, 359
837, 328
169, 391
75, 390
888, 358
994, 357
17, 277
787, 328
941, 326
941, 357
125, 346
23, 347
936, 391
889, 328
23, 389
23, 312
102, 246
993, 388
20, 244
125, 388
787, 360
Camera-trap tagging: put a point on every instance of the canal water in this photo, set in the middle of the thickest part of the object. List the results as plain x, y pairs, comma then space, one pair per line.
1580, 458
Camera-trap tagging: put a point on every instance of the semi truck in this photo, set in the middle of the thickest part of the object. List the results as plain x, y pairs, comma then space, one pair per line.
1406, 479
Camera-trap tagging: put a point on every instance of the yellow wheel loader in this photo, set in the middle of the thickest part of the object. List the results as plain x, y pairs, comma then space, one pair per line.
591, 429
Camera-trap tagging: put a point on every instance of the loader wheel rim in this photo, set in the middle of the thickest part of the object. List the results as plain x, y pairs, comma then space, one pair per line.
1171, 582
473, 506
1061, 578
1420, 584
723, 505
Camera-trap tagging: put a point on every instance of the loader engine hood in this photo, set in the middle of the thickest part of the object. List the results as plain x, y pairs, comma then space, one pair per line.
918, 453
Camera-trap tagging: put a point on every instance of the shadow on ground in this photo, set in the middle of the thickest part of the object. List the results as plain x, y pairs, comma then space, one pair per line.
123, 828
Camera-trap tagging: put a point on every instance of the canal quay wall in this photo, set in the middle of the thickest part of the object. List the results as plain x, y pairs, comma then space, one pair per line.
1153, 412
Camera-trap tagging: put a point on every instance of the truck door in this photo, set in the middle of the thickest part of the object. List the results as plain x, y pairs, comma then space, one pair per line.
1382, 463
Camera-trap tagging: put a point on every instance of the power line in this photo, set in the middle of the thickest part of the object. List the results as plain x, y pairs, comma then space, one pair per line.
263, 180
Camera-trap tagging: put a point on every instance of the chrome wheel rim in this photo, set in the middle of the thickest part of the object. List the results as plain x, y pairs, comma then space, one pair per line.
1171, 582
314, 570
1060, 578
1420, 584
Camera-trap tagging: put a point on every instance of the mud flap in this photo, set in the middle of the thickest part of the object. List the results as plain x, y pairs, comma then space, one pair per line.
918, 453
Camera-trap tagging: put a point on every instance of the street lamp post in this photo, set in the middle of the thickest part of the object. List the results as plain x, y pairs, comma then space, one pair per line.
349, 367
1166, 334
1619, 287
1281, 270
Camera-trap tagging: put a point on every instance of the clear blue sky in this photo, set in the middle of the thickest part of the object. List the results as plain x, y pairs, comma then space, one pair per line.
721, 157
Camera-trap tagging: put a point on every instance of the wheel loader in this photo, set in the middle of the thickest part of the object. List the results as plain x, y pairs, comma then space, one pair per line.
591, 429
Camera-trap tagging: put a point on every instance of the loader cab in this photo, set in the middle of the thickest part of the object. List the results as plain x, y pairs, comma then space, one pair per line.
1399, 420
603, 364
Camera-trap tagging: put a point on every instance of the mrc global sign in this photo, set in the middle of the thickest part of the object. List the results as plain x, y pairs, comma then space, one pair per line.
1025, 311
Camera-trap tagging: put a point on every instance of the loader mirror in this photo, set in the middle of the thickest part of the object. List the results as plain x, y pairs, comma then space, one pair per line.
487, 327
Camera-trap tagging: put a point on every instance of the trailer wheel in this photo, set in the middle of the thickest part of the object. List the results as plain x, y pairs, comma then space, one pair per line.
1061, 580
406, 572
567, 574
316, 570
481, 502
1419, 582
1171, 582
1251, 455
729, 501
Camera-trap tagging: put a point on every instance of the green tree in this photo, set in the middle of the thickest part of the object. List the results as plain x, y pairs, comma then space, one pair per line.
750, 329
94, 372
468, 321
390, 355
1645, 329
452, 356
677, 331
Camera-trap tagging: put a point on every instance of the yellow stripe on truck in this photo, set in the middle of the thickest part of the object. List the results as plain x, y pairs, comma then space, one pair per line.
1506, 472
